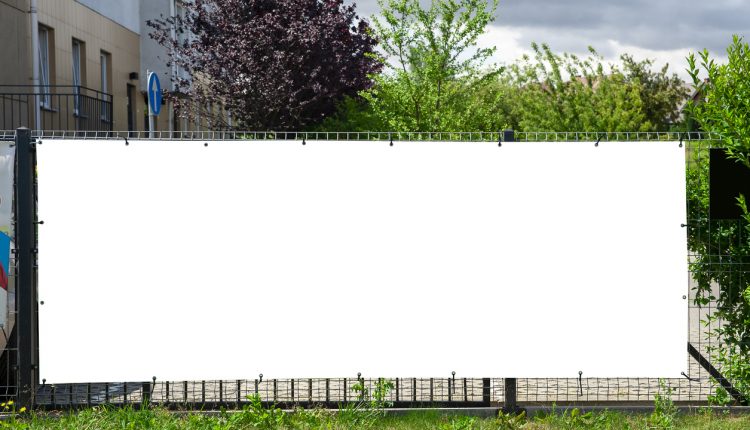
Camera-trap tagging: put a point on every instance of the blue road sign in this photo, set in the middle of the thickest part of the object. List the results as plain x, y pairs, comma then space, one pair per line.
154, 93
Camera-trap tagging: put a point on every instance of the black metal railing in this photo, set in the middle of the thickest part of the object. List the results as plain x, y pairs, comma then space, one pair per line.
61, 107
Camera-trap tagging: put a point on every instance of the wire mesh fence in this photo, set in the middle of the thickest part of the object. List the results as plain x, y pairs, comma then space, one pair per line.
496, 136
405, 392
695, 386
286, 392
8, 345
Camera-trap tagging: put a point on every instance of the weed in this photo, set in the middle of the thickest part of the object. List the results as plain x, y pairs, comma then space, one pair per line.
377, 399
576, 419
665, 411
720, 398
510, 421
310, 419
357, 415
608, 420
370, 406
254, 414
9, 408
459, 423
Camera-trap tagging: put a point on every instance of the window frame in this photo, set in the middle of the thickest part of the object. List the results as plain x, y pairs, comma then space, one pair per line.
43, 51
105, 70
77, 62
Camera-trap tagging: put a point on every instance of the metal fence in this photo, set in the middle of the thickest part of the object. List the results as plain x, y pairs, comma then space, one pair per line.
694, 388
8, 341
303, 136
61, 107
406, 392
305, 392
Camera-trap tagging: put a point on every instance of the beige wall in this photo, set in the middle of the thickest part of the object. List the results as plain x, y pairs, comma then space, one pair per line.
15, 63
70, 20
14, 43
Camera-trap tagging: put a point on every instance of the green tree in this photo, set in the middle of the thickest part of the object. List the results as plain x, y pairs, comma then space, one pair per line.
569, 93
661, 93
352, 114
434, 67
565, 92
726, 109
722, 247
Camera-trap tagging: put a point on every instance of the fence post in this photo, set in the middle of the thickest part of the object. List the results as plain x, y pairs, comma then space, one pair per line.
486, 391
511, 401
508, 136
28, 358
146, 393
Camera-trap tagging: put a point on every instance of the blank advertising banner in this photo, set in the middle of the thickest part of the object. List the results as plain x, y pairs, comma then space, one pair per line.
188, 260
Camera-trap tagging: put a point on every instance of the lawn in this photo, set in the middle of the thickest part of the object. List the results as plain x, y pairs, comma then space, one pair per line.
102, 418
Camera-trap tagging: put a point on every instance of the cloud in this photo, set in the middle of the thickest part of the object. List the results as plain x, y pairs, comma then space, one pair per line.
655, 25
663, 30
511, 46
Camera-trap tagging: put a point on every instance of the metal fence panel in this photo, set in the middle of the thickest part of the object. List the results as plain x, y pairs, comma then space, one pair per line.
65, 107
455, 391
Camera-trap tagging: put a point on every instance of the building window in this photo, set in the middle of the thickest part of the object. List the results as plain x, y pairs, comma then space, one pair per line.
77, 76
105, 60
44, 60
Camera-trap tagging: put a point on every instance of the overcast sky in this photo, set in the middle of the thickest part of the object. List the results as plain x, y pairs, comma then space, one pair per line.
664, 30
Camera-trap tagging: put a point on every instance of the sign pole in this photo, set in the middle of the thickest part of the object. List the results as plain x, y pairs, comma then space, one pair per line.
150, 110
153, 90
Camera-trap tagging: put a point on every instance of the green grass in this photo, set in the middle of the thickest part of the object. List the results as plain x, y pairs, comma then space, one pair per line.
252, 417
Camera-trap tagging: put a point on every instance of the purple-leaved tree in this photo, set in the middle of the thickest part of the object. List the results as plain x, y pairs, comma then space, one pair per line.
274, 64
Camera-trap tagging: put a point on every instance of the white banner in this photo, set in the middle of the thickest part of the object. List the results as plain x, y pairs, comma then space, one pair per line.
7, 163
189, 262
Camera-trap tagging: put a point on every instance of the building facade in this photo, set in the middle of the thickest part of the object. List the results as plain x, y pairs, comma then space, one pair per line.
92, 58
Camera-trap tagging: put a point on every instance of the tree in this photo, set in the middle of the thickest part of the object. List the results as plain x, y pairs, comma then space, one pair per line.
568, 93
661, 93
726, 109
274, 64
564, 92
722, 247
434, 66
